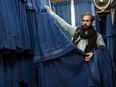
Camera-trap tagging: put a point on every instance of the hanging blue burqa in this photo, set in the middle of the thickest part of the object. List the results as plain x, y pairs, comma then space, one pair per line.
62, 64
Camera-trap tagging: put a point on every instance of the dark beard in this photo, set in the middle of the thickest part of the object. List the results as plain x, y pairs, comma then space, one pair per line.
85, 27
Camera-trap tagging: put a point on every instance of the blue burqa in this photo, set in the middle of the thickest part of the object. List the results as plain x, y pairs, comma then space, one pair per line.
61, 64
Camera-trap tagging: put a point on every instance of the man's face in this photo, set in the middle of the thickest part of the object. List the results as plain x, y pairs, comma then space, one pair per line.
86, 22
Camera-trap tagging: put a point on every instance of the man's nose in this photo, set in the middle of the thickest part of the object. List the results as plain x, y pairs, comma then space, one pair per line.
84, 22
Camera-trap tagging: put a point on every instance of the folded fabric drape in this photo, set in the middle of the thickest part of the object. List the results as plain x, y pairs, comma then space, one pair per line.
51, 41
14, 29
16, 61
62, 64
102, 68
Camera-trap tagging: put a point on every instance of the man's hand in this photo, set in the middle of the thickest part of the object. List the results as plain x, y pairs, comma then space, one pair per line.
49, 9
89, 56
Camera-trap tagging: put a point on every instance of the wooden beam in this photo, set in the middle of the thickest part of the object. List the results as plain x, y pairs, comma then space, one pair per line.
57, 0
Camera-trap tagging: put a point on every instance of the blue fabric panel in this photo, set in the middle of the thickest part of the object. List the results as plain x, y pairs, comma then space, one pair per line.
71, 70
102, 68
114, 38
6, 25
109, 34
108, 25
16, 69
44, 2
97, 24
114, 24
32, 28
1, 72
51, 41
63, 9
9, 73
31, 5
14, 28
16, 22
24, 26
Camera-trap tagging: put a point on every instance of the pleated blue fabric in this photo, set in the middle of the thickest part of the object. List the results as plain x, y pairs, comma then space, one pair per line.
14, 28
97, 21
63, 9
102, 68
114, 38
16, 70
26, 28
51, 41
7, 31
71, 70
62, 64
16, 56
109, 34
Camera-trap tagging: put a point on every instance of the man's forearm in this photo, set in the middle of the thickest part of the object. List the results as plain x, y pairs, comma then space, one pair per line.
67, 27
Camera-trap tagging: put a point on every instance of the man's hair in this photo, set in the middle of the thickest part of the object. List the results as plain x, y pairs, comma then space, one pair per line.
88, 13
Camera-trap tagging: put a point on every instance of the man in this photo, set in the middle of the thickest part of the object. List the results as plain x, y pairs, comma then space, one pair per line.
85, 37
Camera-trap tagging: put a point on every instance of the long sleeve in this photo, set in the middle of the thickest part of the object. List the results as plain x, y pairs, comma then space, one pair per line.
67, 27
100, 41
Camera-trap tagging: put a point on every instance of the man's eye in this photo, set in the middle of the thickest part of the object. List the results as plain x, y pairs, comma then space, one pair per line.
85, 20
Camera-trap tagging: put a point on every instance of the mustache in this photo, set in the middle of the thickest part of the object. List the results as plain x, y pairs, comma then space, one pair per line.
84, 25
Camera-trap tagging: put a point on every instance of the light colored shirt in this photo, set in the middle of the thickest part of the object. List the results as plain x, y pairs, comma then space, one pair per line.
71, 30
